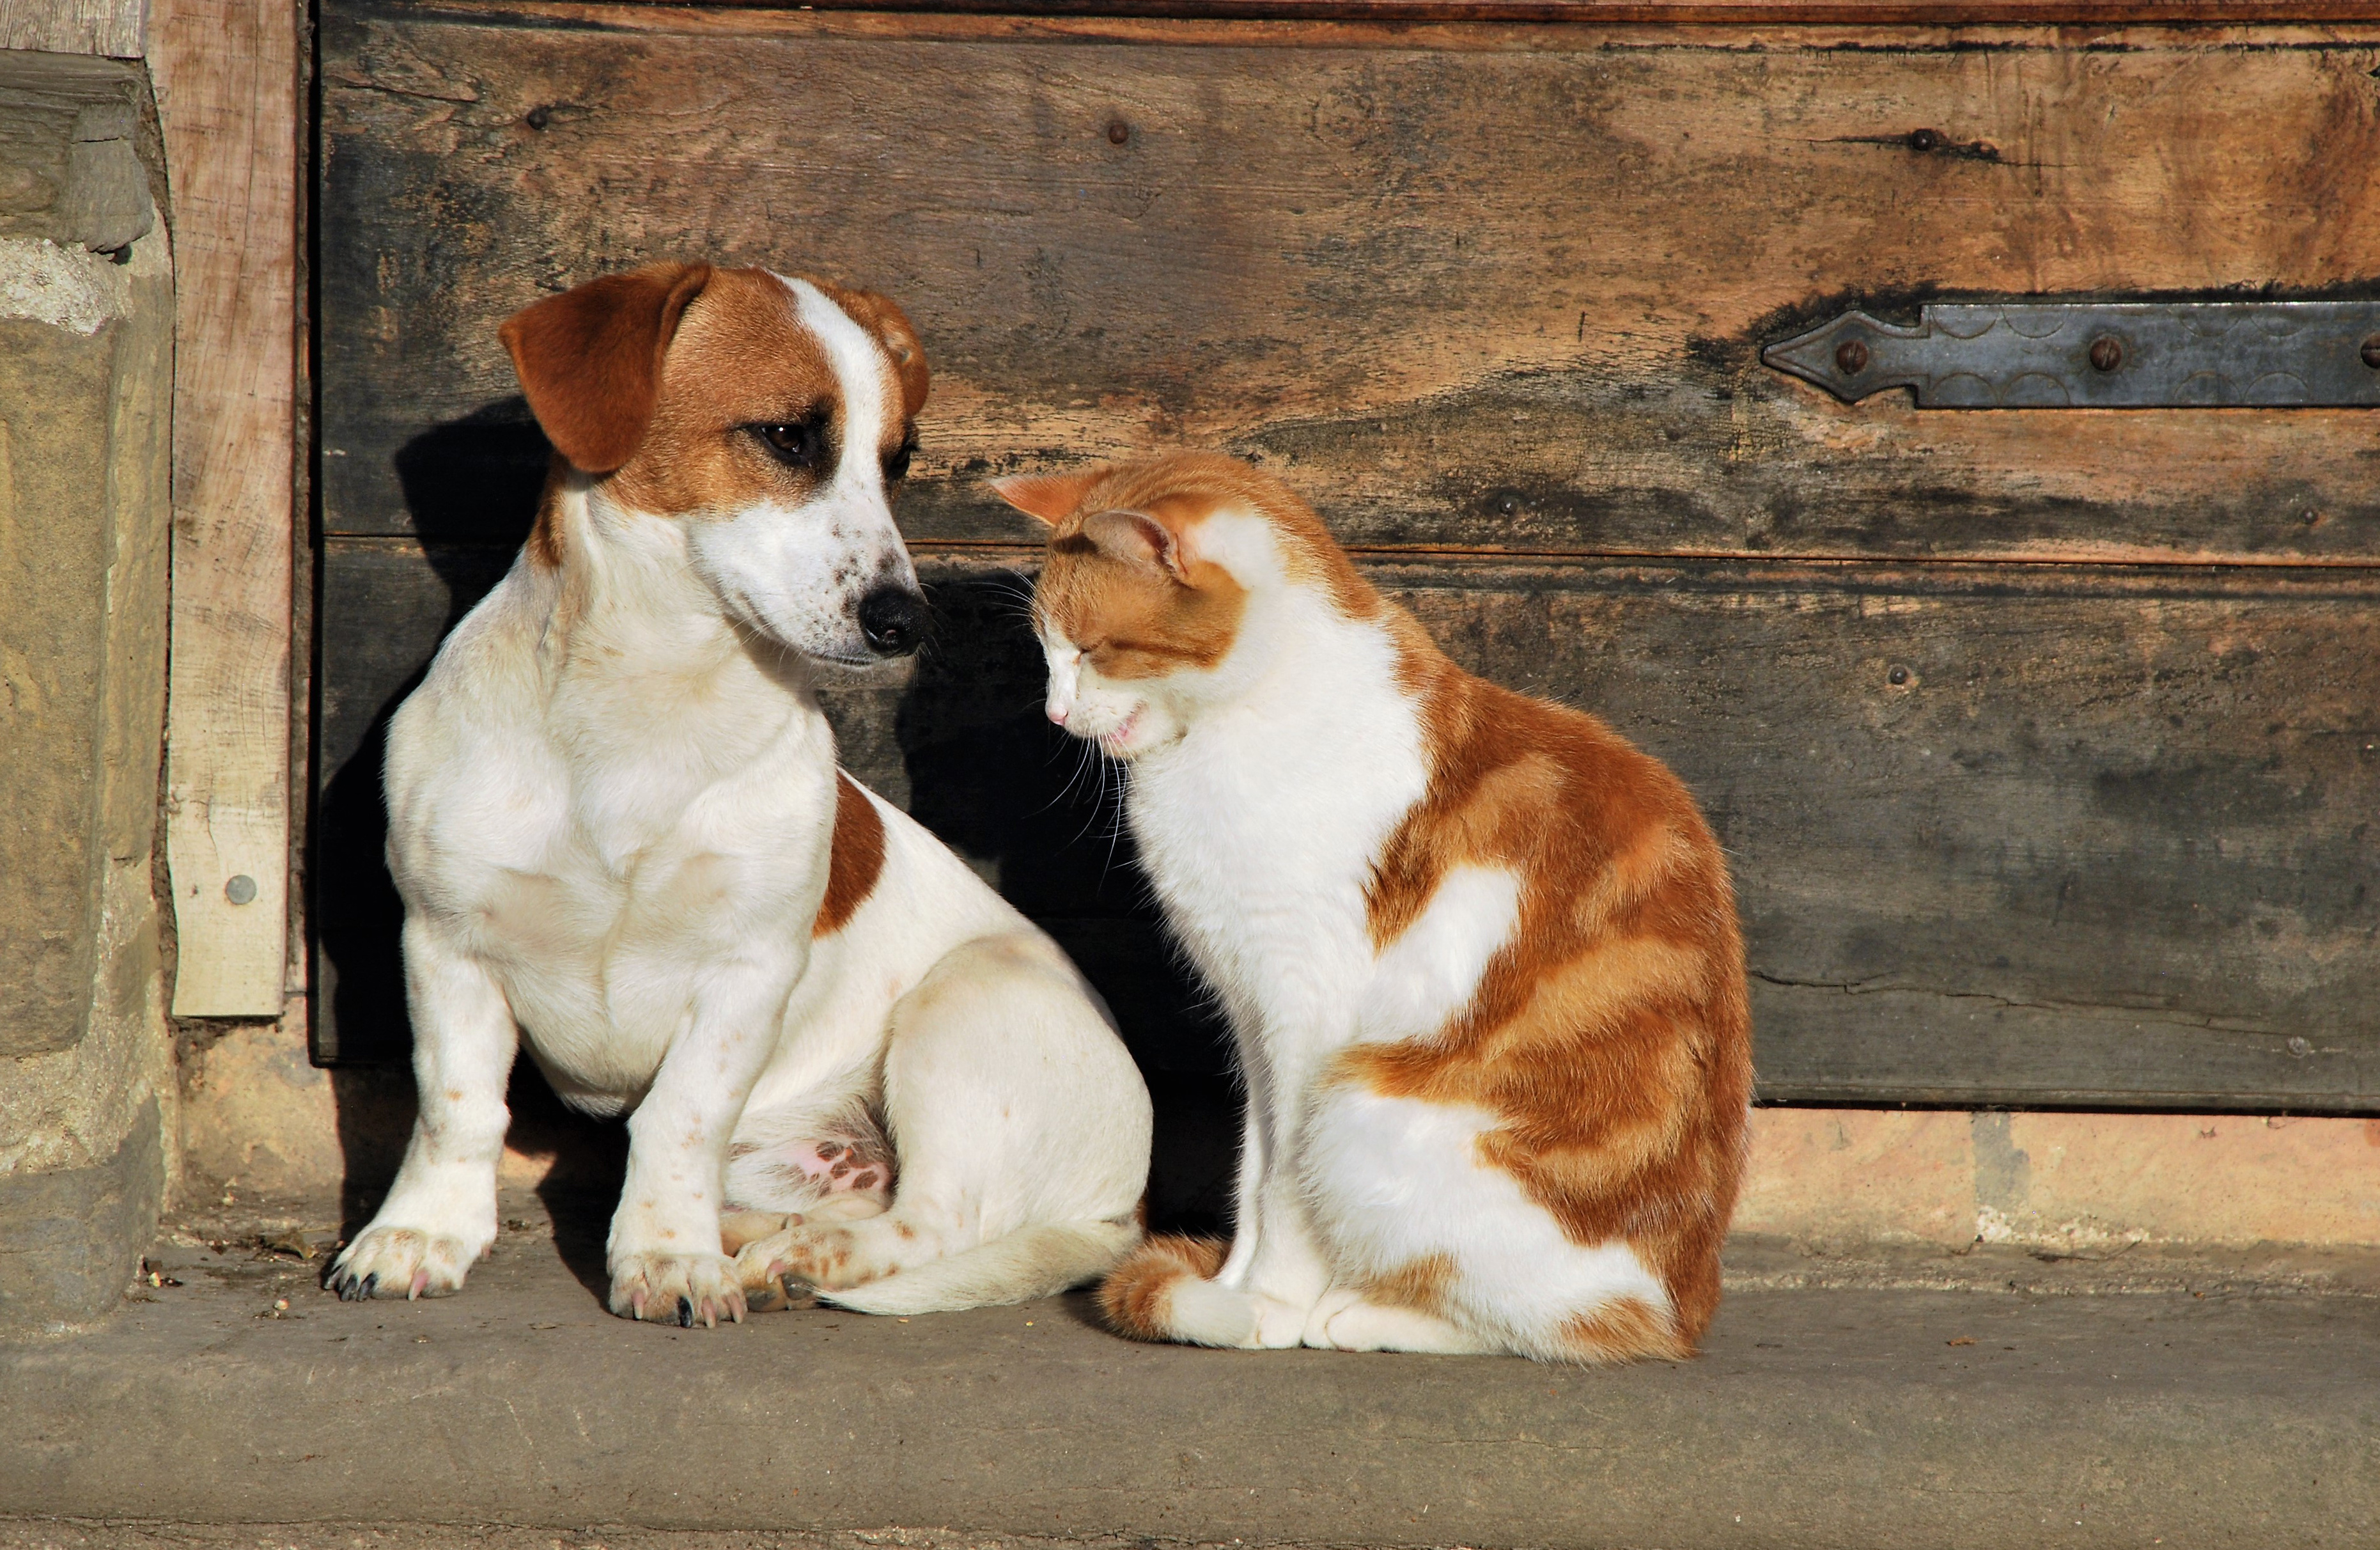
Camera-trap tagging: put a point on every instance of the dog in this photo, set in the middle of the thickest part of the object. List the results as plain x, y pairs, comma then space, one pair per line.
618, 828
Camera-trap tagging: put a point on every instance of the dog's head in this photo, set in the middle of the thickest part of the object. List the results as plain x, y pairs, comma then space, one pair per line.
768, 415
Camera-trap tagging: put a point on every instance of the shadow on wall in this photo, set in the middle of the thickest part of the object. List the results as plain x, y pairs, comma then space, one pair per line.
965, 741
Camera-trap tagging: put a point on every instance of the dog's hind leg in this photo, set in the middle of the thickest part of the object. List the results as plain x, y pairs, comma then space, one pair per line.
1022, 1130
441, 1213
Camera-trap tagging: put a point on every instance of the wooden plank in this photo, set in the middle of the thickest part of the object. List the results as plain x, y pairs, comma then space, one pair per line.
1503, 294
1622, 13
109, 27
227, 77
2106, 841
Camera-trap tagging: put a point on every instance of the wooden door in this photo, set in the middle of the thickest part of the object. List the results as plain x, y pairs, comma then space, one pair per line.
2046, 743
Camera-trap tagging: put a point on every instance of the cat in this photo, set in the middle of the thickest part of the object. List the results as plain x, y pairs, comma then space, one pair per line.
1479, 953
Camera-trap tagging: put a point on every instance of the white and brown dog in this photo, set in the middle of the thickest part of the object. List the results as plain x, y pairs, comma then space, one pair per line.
616, 822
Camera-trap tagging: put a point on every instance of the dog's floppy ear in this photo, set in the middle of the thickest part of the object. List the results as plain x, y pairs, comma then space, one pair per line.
1050, 497
881, 316
590, 358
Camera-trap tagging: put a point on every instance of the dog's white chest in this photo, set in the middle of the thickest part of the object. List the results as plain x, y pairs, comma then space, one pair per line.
605, 889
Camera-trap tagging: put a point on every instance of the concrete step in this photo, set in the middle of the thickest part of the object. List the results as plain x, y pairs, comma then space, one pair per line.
2236, 1399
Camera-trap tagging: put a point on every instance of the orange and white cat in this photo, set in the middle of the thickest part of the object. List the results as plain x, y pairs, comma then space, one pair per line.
1479, 954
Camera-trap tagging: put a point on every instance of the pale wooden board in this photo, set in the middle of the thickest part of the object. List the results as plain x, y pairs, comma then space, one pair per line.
226, 76
115, 27
1505, 291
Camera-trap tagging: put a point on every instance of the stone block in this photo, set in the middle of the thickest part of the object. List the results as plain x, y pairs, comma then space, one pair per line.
71, 1238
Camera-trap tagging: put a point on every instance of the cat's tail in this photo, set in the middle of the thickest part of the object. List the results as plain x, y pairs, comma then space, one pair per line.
1039, 1260
1619, 1329
1166, 1290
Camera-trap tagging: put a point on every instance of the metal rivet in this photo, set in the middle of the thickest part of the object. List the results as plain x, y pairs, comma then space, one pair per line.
1852, 356
1118, 131
1898, 676
539, 117
2299, 1046
2106, 353
1924, 140
2309, 518
2372, 352
241, 889
1508, 505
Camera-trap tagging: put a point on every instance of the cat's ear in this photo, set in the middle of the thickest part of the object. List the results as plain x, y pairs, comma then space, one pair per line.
1049, 497
1138, 540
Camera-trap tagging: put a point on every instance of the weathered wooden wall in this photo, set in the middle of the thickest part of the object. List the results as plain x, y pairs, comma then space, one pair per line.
1493, 296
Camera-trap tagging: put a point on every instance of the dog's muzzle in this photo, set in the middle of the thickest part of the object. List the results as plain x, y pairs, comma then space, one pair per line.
893, 619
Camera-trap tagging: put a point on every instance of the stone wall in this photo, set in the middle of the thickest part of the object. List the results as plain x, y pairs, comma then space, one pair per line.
89, 1121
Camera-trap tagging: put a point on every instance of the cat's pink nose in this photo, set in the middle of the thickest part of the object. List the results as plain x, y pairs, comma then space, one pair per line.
1054, 714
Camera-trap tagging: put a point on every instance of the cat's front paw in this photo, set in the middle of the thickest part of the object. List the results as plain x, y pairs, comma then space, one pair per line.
683, 1289
401, 1262
1279, 1324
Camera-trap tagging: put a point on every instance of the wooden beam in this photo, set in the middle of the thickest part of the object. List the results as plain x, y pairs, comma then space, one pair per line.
1861, 13
227, 78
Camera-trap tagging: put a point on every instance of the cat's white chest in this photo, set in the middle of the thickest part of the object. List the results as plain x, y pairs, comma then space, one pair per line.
1259, 832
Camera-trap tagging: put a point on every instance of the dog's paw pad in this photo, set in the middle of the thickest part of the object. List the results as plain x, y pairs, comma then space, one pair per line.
400, 1262
839, 1165
683, 1289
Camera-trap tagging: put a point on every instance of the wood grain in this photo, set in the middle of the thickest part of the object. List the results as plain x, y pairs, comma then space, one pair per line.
1493, 296
1938, 13
109, 27
1482, 299
1597, 14
2003, 834
226, 76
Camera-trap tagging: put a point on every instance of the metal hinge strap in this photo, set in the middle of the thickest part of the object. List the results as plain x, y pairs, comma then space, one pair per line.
2101, 355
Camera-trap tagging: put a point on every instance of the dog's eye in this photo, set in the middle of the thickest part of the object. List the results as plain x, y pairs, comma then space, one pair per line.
896, 462
799, 444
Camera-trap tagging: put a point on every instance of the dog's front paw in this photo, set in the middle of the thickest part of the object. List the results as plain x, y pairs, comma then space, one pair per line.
400, 1262
683, 1289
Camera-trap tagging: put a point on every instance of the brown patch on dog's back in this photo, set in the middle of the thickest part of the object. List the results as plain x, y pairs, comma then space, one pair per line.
856, 860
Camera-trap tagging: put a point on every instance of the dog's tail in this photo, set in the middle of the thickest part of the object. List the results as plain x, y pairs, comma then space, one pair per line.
1039, 1261
1167, 1291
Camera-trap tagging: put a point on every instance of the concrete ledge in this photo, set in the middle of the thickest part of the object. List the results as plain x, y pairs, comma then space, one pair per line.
1845, 1416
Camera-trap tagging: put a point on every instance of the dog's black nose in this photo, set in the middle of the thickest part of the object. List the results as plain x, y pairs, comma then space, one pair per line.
893, 619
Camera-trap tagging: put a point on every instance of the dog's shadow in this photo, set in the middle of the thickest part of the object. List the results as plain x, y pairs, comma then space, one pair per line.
959, 739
